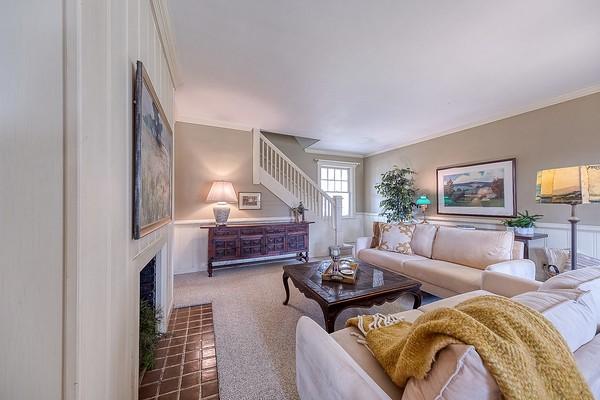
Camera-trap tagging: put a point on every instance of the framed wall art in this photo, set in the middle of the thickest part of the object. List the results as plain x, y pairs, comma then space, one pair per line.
486, 189
152, 144
249, 201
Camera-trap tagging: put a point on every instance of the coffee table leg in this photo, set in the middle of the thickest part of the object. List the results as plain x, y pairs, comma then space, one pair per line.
418, 299
330, 315
287, 288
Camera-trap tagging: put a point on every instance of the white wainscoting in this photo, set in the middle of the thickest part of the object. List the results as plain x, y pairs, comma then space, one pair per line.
191, 243
559, 235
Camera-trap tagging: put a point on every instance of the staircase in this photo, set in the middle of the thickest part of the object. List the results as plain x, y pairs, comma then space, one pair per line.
275, 171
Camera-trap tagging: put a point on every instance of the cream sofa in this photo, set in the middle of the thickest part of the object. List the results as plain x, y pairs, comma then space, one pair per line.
335, 366
449, 261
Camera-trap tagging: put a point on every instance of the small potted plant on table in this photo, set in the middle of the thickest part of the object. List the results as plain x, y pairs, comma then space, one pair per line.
524, 223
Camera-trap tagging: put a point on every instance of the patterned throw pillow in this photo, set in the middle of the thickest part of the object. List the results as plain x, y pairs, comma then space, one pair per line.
396, 237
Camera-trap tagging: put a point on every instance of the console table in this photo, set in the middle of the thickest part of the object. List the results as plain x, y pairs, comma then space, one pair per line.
241, 242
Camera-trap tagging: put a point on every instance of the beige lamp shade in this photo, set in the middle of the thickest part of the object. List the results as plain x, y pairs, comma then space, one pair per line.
223, 192
571, 185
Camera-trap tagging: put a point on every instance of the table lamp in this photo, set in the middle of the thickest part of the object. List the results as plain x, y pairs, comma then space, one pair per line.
222, 192
572, 186
423, 202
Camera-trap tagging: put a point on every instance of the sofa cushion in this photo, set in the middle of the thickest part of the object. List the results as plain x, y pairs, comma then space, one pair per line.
567, 310
474, 248
396, 238
587, 357
317, 356
365, 359
387, 259
585, 279
422, 240
457, 278
458, 373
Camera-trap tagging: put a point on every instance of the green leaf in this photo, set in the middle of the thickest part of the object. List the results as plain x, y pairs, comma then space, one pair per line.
398, 192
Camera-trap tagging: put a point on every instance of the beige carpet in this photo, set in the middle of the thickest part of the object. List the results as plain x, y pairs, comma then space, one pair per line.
255, 332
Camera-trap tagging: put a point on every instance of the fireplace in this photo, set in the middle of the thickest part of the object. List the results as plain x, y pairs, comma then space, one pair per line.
148, 283
155, 288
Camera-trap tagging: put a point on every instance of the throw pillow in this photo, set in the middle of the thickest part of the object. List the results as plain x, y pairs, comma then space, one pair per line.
423, 237
396, 238
568, 310
587, 279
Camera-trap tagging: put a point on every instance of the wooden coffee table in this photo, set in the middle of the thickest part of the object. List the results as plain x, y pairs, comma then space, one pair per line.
374, 286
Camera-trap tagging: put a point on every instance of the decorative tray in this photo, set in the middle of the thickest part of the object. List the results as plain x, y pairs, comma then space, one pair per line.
346, 264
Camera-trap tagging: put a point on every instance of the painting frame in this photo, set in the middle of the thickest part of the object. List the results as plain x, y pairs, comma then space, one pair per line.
144, 91
509, 189
245, 204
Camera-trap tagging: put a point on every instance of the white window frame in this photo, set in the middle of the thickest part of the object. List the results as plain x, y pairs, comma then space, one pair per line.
351, 167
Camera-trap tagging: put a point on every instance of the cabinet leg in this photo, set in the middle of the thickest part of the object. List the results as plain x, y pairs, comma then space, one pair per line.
210, 269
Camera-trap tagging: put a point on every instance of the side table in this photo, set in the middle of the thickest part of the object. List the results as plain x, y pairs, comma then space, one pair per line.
525, 239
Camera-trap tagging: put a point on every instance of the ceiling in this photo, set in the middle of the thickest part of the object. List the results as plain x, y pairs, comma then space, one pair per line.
366, 76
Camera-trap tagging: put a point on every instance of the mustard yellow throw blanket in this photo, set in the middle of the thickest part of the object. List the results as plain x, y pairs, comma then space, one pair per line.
524, 353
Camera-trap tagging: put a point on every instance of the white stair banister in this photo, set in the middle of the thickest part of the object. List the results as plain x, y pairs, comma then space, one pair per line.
273, 169
258, 161
337, 220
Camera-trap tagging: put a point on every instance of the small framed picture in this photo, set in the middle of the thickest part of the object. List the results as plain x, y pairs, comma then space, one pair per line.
249, 201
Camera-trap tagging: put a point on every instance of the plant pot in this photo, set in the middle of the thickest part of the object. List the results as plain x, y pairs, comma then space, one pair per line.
510, 228
525, 231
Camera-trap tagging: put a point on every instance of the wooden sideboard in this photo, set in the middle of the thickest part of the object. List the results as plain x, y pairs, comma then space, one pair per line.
242, 242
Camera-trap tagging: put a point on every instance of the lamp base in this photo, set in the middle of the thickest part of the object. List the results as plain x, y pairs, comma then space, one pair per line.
574, 221
423, 209
221, 212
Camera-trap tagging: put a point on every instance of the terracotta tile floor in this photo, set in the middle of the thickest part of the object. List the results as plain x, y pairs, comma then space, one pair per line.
185, 365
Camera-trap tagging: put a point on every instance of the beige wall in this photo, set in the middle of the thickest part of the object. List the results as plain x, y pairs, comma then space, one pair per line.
306, 161
561, 135
31, 200
204, 154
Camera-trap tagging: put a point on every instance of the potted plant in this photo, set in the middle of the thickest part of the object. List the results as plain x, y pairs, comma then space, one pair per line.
398, 191
149, 334
524, 223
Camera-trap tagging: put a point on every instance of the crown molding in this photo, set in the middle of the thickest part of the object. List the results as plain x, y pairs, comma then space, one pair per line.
532, 107
334, 153
214, 123
167, 39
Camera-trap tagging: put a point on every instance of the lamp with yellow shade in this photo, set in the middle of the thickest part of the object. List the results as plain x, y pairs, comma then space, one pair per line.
221, 192
572, 186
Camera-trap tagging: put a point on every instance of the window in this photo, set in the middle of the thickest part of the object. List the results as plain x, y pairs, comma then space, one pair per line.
337, 179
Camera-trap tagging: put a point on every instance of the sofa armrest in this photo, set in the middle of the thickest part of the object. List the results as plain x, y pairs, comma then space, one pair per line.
507, 285
362, 243
522, 268
325, 371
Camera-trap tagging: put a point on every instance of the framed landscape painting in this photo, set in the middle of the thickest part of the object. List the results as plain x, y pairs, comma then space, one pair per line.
484, 189
152, 143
